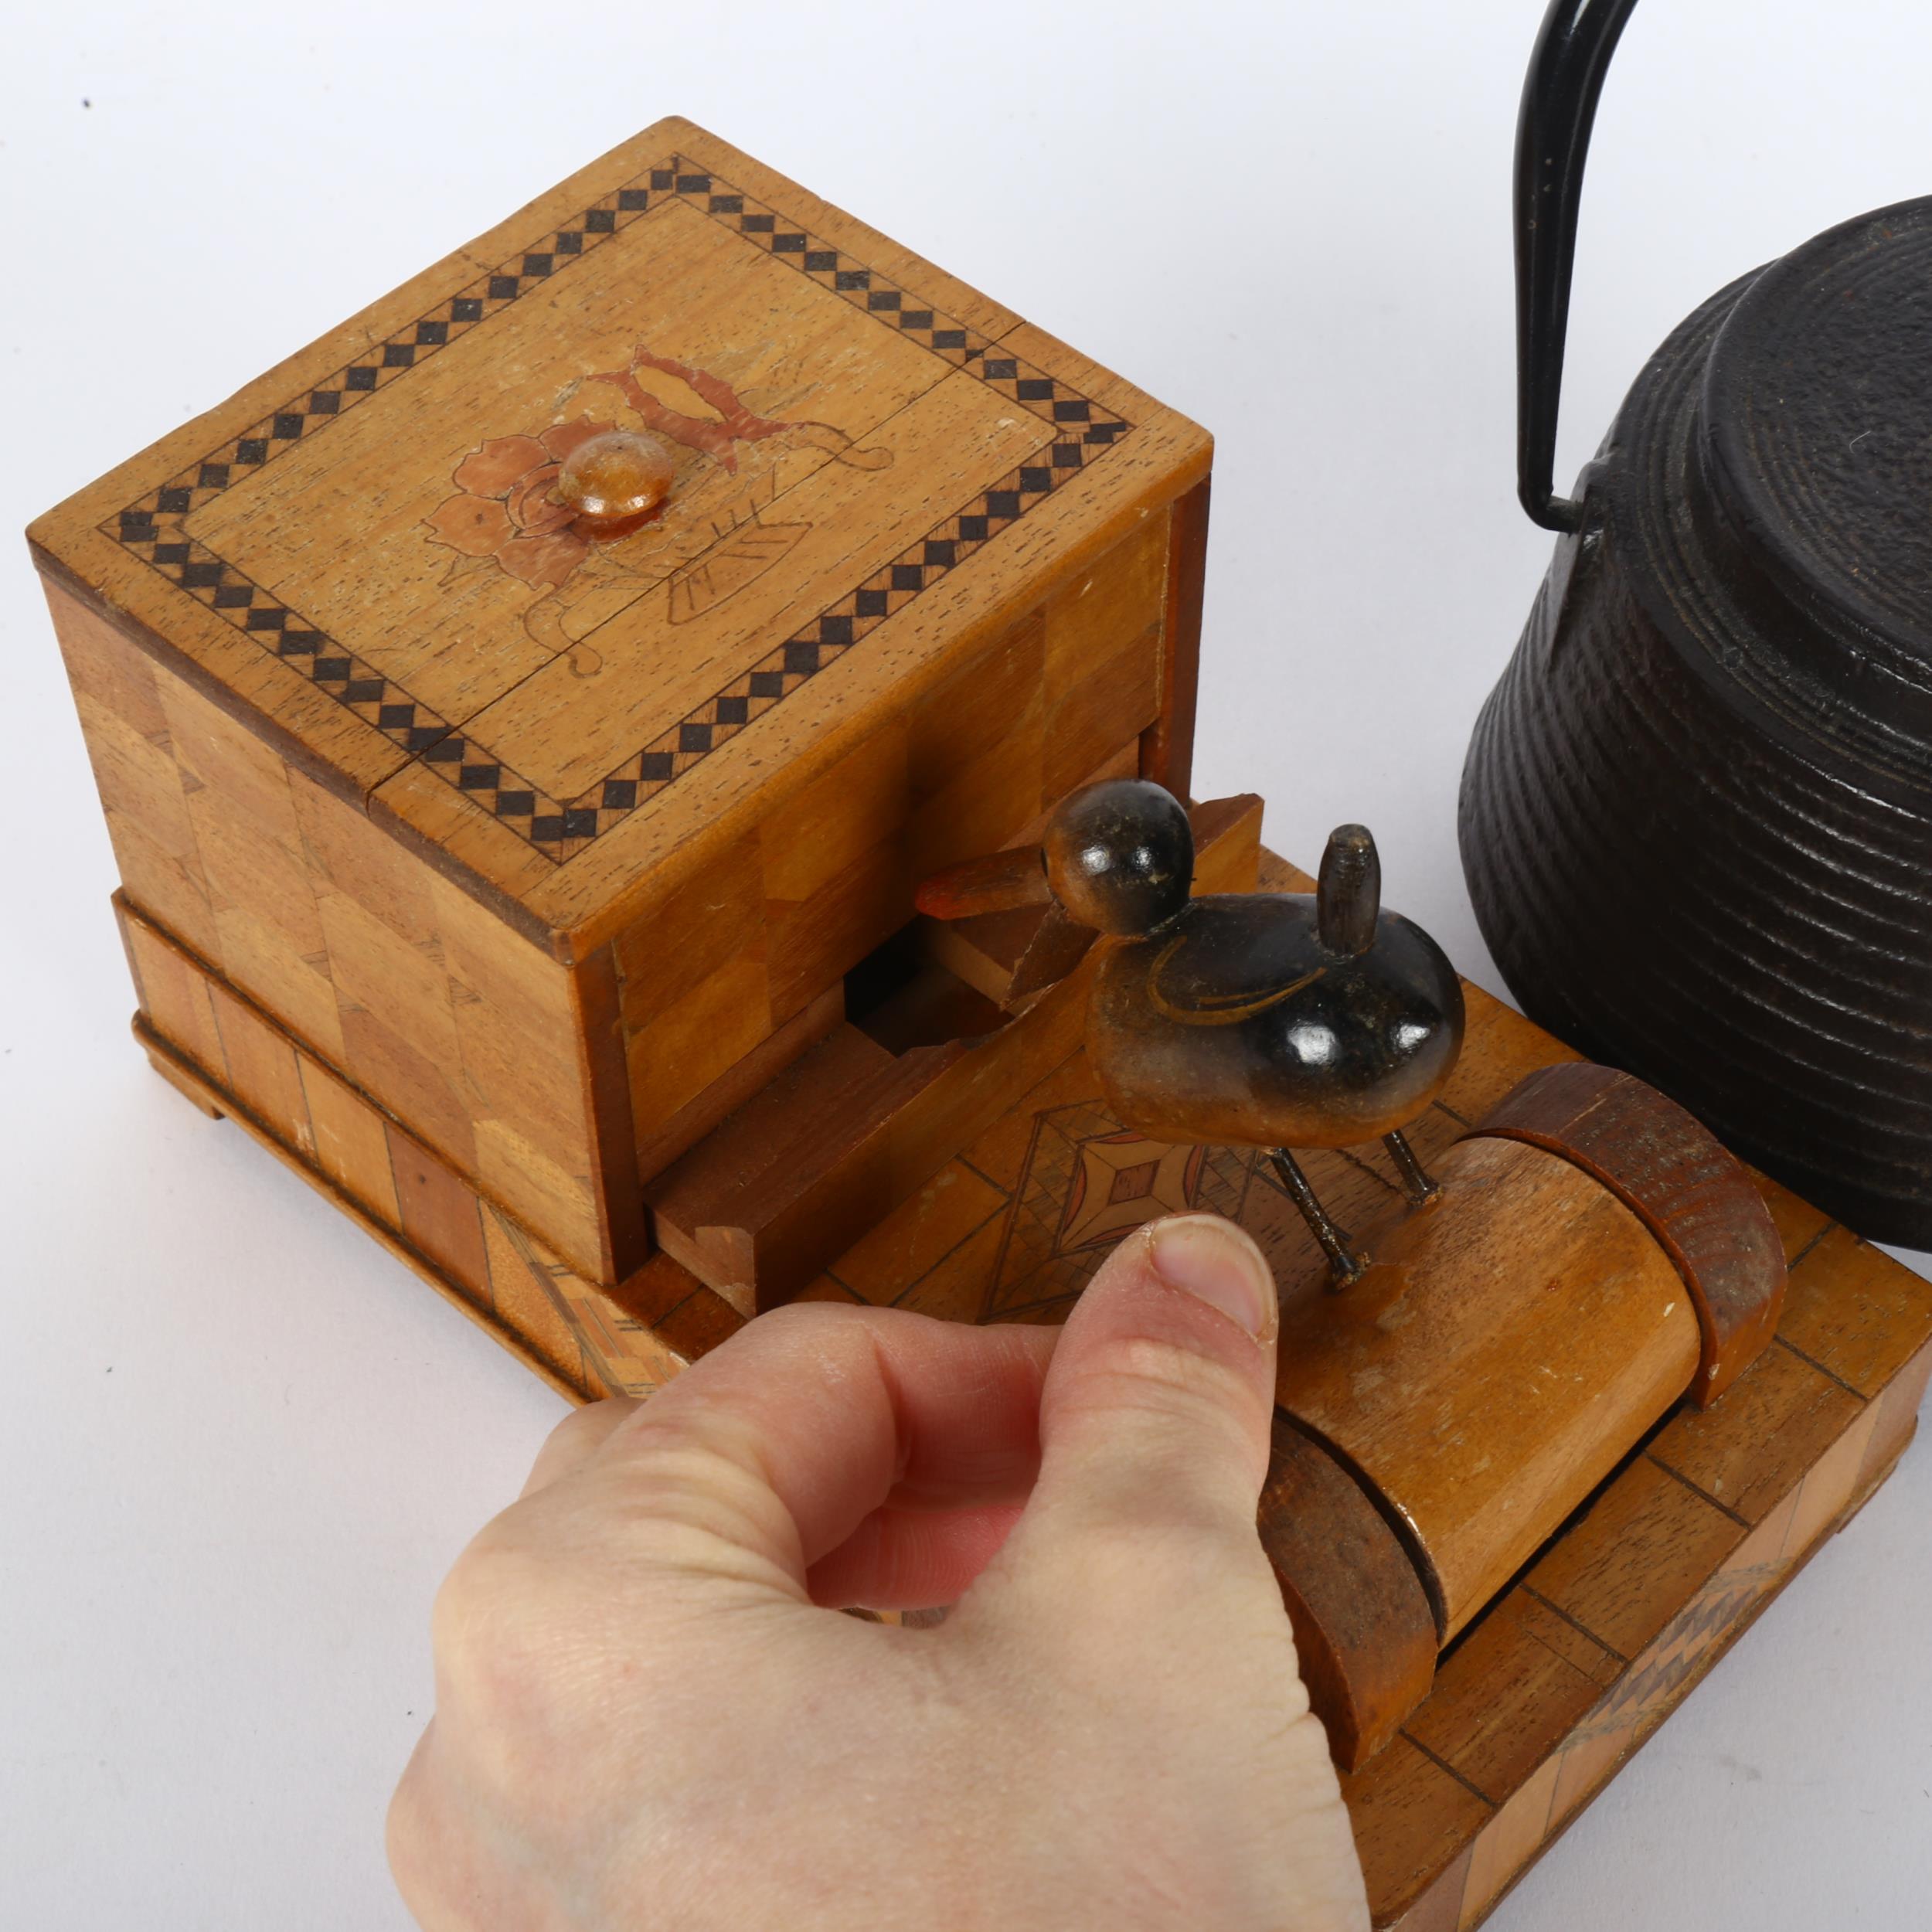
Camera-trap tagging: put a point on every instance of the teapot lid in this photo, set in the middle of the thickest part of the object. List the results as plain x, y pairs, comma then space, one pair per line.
1810, 471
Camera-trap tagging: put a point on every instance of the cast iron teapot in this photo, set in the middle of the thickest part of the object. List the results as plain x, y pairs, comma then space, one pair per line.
1696, 816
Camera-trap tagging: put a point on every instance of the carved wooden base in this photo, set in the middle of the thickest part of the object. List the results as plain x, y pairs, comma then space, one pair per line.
1539, 1702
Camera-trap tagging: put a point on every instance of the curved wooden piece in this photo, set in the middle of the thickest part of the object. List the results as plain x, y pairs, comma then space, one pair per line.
1672, 1173
1503, 1351
1363, 1630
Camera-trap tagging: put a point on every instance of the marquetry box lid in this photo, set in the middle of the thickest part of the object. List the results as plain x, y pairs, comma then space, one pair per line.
359, 556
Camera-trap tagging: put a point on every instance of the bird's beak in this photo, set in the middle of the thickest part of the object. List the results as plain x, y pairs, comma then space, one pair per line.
1007, 935
1002, 881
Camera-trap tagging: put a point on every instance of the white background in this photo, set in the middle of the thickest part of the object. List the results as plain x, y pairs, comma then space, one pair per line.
238, 1444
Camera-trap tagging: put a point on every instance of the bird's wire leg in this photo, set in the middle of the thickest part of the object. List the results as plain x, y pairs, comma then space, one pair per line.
1416, 1182
1345, 1265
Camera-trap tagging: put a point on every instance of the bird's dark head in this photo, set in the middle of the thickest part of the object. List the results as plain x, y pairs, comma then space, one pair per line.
1120, 855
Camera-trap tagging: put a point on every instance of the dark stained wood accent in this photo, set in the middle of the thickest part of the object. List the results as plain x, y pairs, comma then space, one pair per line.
657, 1288
1363, 1630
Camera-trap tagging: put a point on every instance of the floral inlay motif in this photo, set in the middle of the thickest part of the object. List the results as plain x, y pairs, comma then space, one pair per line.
504, 506
506, 510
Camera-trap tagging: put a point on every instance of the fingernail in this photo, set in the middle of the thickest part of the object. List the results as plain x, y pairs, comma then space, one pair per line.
1217, 1263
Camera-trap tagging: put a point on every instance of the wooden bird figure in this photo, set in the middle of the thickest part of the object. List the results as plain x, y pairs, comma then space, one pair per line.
1274, 1020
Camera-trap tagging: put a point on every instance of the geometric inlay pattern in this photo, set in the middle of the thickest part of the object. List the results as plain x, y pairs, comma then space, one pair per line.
151, 529
1087, 1182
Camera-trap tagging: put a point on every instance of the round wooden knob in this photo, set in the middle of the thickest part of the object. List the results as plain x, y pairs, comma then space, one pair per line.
614, 481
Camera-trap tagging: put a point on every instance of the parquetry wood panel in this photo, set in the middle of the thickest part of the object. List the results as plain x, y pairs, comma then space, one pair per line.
715, 963
391, 974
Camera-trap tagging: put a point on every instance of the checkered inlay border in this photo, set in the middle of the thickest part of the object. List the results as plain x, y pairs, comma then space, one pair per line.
152, 528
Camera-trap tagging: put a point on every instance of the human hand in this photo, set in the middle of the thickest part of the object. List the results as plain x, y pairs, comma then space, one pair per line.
645, 1719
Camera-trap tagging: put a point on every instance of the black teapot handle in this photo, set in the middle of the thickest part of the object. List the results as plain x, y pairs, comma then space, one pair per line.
1566, 69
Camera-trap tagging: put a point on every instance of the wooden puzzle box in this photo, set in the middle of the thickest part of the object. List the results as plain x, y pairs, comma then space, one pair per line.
544, 895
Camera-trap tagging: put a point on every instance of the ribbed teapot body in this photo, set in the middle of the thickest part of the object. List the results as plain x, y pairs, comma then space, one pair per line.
1696, 814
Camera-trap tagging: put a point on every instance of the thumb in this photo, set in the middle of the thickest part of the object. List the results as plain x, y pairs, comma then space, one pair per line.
1154, 1418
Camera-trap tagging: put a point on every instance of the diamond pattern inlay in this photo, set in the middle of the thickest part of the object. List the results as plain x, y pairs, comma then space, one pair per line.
152, 528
